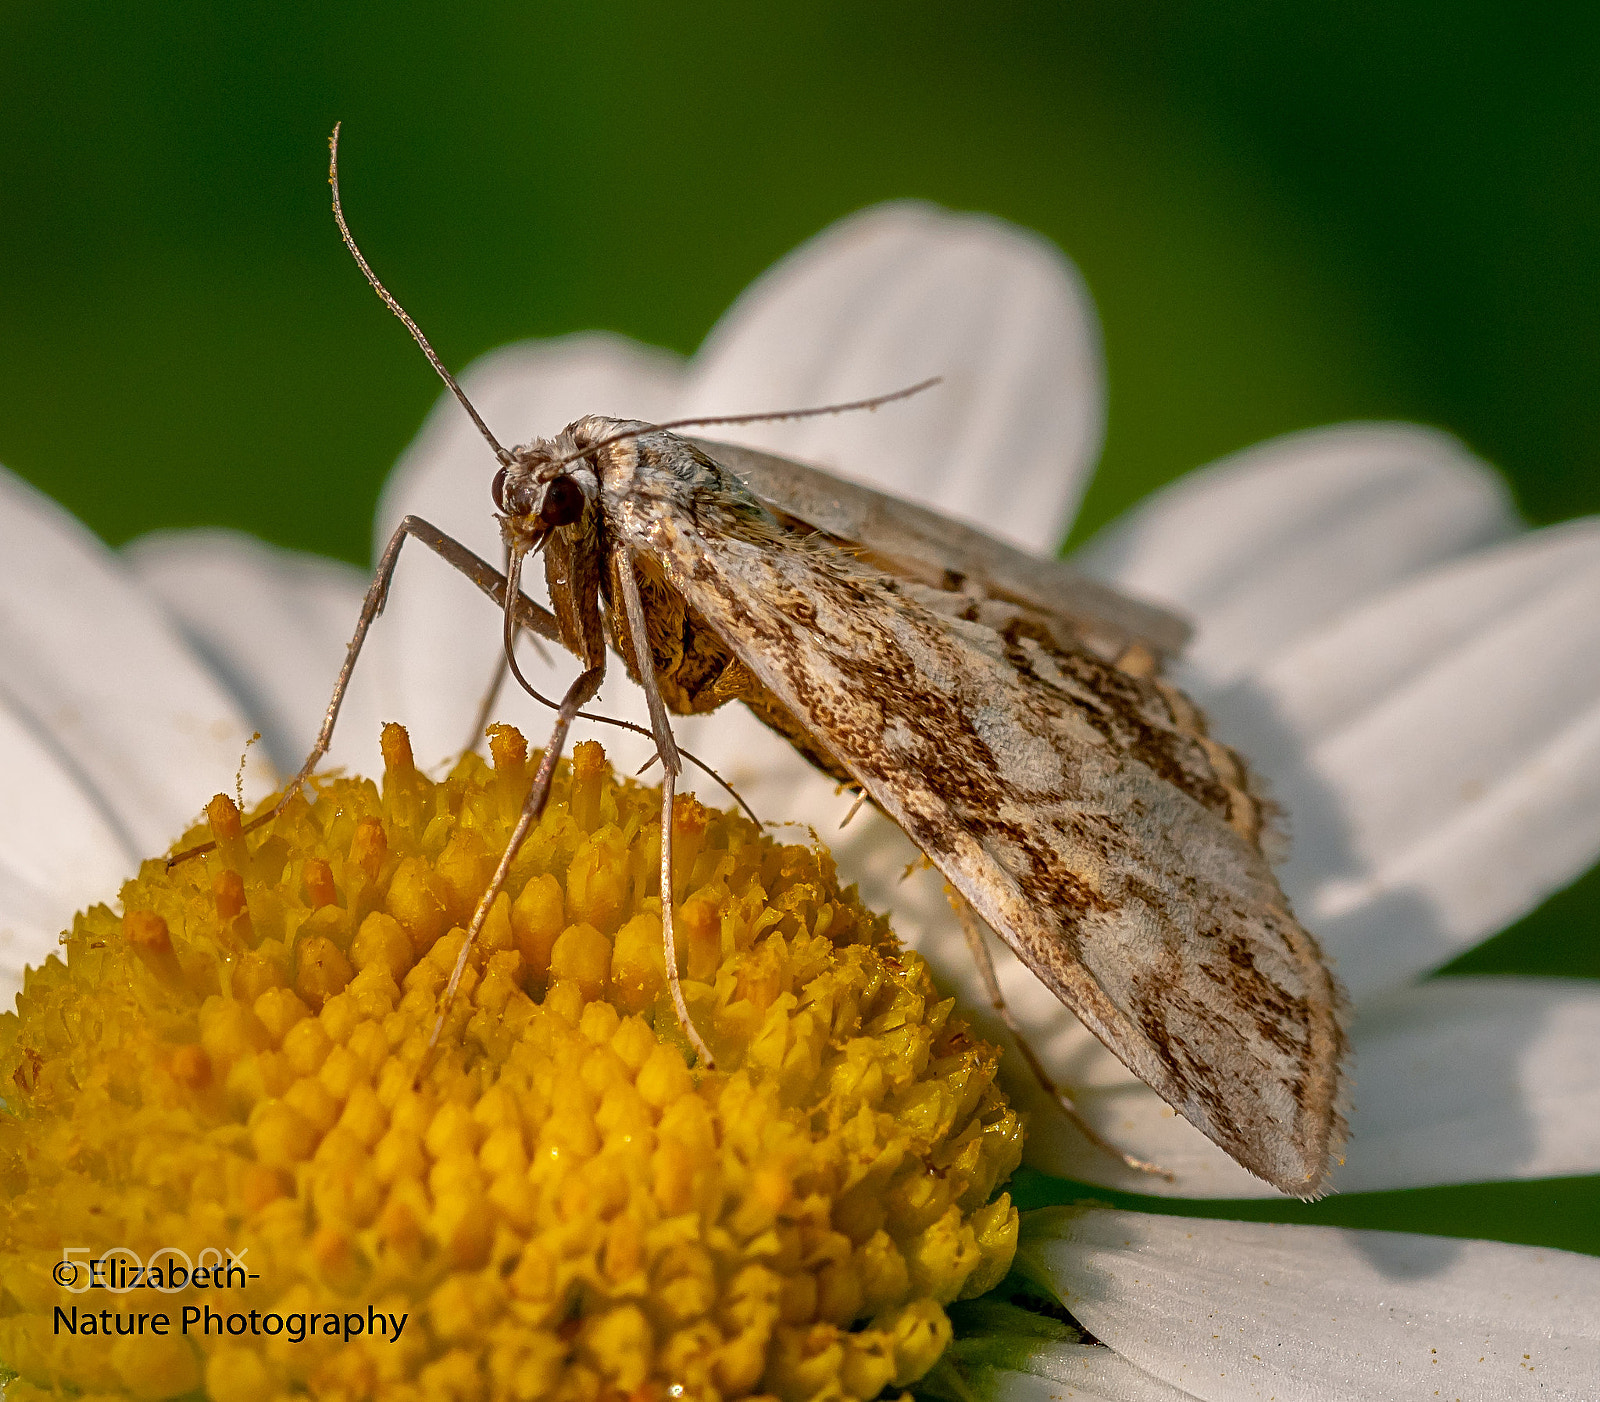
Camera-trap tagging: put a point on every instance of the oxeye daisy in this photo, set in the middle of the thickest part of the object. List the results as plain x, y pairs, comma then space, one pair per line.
1411, 672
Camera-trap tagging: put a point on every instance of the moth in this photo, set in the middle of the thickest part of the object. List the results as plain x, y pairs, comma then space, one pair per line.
1008, 713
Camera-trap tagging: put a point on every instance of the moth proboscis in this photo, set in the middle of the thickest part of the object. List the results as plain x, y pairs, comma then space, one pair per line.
1008, 713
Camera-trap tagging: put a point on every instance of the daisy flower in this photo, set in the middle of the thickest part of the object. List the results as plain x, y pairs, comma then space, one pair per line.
1416, 676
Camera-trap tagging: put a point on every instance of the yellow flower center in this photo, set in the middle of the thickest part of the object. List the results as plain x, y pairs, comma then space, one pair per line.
211, 1110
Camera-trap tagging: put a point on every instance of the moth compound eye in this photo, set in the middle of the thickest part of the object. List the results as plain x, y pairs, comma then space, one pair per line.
563, 502
498, 490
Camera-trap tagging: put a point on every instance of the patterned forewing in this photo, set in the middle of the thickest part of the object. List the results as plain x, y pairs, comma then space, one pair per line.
1089, 835
916, 542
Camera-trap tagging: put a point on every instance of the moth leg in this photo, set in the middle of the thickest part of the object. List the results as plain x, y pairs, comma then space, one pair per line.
972, 928
669, 942
526, 613
854, 809
580, 691
671, 767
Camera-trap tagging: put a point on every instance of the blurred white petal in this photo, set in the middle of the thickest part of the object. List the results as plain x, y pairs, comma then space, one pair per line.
1235, 1310
1468, 1080
105, 681
1438, 753
274, 625
1264, 545
59, 849
891, 296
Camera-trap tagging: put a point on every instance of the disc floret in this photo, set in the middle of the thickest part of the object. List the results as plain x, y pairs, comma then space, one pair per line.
560, 1206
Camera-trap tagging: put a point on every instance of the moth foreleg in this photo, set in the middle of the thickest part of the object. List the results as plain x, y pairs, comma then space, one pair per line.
978, 946
669, 942
581, 690
527, 614
671, 765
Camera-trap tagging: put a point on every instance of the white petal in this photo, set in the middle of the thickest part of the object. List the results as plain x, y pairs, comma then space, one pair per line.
1264, 544
59, 851
444, 635
1465, 1080
891, 296
1074, 1373
105, 681
1233, 1310
1437, 752
274, 624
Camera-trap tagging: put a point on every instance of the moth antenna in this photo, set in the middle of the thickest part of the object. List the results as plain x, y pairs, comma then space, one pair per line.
816, 411
396, 308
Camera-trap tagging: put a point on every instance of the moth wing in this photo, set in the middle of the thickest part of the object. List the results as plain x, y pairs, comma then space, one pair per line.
1091, 834
912, 541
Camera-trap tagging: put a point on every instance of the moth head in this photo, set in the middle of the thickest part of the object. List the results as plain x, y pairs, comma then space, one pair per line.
536, 492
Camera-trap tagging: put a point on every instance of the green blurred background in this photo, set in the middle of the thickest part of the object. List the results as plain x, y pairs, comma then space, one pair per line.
1287, 214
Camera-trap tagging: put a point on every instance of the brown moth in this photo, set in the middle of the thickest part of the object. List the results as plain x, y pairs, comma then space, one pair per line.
1004, 710
1076, 804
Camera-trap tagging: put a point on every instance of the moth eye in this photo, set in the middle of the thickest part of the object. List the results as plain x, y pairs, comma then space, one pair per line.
498, 490
563, 502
